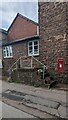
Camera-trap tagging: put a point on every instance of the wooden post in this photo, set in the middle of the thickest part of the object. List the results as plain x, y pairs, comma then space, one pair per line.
16, 66
31, 62
20, 62
43, 71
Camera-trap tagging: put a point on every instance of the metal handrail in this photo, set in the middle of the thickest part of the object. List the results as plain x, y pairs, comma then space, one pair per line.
44, 66
31, 62
39, 61
14, 64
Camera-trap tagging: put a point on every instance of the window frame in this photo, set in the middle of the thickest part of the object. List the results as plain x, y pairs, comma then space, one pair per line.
7, 50
33, 54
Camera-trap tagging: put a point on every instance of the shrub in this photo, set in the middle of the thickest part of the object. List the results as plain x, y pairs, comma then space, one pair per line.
14, 70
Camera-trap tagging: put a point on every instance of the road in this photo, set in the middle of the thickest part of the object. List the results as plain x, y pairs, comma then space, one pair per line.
49, 101
11, 112
7, 111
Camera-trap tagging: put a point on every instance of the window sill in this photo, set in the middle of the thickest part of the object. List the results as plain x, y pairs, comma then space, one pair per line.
9, 57
34, 55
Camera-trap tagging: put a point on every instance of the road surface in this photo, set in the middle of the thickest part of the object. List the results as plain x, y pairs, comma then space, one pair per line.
11, 112
49, 101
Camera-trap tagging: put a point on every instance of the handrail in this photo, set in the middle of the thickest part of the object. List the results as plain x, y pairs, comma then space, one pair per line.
14, 64
31, 62
39, 62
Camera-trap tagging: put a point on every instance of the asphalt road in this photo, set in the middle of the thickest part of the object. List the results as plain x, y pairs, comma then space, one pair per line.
11, 112
54, 97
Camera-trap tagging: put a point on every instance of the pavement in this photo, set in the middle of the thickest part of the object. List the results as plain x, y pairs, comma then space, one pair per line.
39, 102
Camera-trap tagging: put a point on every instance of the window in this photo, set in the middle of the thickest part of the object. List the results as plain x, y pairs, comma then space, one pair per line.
33, 48
7, 52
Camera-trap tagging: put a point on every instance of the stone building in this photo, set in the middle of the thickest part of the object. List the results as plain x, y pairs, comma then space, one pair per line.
53, 36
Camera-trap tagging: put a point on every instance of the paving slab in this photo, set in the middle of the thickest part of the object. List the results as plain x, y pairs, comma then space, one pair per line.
40, 101
35, 112
19, 96
49, 110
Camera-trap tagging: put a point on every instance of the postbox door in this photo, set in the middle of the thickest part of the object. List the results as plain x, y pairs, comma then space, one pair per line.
60, 65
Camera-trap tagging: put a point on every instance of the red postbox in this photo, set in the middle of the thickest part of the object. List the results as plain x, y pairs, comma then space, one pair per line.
60, 65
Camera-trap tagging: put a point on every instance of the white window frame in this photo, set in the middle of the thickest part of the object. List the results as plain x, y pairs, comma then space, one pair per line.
33, 48
9, 50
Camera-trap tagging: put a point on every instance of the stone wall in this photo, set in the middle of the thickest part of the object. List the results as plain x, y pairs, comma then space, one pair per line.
53, 38
27, 76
